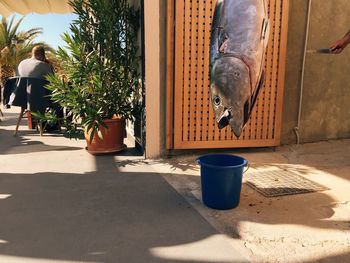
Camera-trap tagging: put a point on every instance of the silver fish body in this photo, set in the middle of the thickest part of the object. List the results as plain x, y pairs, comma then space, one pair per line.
239, 38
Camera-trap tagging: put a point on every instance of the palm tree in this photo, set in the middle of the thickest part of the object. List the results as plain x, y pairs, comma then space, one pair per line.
15, 46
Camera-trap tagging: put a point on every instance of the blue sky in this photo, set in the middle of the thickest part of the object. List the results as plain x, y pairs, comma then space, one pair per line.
53, 26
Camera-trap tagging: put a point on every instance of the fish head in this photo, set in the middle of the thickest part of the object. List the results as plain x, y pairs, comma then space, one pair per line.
230, 92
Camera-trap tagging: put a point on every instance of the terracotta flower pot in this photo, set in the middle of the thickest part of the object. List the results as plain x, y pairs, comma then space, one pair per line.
113, 138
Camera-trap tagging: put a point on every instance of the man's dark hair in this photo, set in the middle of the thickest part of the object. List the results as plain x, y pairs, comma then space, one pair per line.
39, 53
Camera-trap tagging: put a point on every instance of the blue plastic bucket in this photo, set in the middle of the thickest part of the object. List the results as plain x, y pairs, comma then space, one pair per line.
221, 179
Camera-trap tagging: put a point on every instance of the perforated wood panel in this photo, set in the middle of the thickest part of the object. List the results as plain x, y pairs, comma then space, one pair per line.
194, 124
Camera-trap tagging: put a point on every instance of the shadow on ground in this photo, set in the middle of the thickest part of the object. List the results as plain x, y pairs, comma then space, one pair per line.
22, 144
314, 209
94, 217
101, 216
114, 215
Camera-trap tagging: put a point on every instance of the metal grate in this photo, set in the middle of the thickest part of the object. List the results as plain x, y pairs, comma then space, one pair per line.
279, 182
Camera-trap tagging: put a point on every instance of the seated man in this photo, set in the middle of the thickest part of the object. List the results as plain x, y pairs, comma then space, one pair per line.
39, 67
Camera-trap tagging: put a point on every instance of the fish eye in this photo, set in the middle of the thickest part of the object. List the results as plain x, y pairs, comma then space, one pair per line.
217, 101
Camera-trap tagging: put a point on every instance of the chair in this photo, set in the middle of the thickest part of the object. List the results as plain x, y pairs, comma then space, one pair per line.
28, 93
24, 112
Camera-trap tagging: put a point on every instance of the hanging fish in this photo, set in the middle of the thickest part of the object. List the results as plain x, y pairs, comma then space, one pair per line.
239, 37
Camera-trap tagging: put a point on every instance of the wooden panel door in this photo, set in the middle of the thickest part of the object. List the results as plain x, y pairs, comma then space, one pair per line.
194, 125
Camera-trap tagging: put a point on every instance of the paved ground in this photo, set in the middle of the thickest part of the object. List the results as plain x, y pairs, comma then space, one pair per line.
60, 204
313, 227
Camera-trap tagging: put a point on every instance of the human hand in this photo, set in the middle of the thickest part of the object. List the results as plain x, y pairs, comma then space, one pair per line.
339, 46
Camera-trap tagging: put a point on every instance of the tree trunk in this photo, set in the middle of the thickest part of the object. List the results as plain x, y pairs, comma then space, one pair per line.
5, 73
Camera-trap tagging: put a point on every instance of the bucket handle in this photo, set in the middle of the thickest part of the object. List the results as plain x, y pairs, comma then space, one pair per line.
247, 168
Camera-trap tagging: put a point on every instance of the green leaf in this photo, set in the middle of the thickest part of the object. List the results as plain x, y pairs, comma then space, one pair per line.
101, 66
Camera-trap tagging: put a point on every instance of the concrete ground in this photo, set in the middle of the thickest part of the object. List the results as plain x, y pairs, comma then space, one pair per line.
312, 227
60, 204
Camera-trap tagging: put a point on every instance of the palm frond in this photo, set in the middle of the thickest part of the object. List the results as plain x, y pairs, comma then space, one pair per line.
32, 34
4, 31
15, 51
13, 29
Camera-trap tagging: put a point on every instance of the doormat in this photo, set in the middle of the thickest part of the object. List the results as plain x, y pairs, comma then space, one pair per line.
279, 182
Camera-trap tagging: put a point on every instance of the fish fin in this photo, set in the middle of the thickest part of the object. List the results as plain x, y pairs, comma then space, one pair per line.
265, 31
215, 32
257, 92
246, 112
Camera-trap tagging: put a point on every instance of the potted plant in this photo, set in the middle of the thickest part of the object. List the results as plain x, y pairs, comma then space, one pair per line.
100, 64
